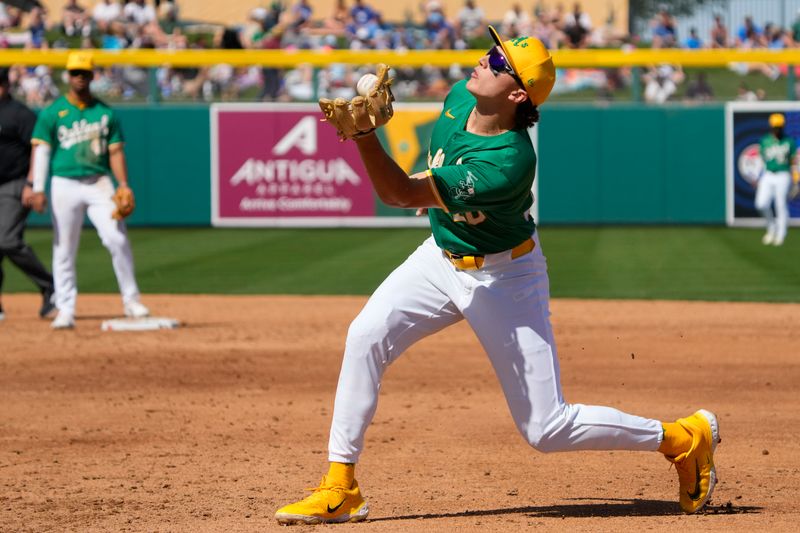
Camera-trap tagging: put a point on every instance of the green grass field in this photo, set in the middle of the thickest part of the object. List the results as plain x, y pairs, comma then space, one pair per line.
695, 263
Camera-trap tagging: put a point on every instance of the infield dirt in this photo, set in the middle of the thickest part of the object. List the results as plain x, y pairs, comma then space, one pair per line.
213, 426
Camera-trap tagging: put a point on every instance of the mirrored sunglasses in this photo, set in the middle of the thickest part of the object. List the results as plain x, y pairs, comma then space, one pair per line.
498, 65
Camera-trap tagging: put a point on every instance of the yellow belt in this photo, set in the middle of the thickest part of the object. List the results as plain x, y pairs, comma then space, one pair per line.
475, 262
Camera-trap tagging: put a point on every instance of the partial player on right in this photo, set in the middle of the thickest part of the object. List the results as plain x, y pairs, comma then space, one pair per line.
779, 152
78, 140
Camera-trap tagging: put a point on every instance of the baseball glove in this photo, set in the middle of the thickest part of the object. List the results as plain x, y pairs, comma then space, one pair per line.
362, 114
123, 197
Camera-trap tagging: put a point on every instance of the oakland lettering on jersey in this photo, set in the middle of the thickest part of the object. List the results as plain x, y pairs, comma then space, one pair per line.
777, 152
81, 131
336, 171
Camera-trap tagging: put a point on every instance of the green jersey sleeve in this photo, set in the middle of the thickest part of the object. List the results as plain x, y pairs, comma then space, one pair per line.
45, 126
115, 130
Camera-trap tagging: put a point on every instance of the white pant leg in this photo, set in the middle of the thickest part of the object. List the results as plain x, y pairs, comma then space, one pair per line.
67, 208
765, 194
113, 235
410, 304
509, 312
783, 182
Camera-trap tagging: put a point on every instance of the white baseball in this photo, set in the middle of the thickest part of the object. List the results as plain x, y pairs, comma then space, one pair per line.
366, 83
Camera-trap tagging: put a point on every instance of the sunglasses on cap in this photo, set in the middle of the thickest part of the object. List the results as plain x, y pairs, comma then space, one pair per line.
498, 65
75, 73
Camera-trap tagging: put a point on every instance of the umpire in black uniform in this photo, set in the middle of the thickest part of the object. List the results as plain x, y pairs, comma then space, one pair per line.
16, 126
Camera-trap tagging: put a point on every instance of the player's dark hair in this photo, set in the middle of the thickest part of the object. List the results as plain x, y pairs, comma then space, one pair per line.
527, 114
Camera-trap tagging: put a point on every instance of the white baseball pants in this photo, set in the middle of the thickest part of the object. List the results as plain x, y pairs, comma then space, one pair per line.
507, 305
774, 187
70, 200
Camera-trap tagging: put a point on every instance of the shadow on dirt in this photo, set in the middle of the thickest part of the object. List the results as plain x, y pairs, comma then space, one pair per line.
608, 508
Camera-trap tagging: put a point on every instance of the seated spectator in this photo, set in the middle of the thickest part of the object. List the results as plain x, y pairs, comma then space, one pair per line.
337, 22
167, 31
167, 17
362, 14
36, 29
516, 22
471, 21
75, 20
661, 83
105, 12
37, 86
749, 35
139, 13
546, 30
114, 36
693, 42
440, 34
698, 90
776, 38
577, 26
719, 33
665, 31
301, 15
10, 17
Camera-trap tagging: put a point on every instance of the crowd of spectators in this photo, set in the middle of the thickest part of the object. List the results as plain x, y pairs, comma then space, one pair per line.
662, 81
353, 24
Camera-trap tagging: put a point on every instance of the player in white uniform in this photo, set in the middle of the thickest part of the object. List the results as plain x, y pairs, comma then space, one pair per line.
78, 139
483, 264
779, 153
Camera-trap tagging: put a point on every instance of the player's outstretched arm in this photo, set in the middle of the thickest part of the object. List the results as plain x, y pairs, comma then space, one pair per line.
395, 188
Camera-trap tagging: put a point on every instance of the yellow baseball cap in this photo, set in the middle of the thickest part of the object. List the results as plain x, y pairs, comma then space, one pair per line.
776, 120
531, 62
80, 61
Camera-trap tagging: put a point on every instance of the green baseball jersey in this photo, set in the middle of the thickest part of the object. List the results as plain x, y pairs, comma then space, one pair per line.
79, 137
483, 182
777, 153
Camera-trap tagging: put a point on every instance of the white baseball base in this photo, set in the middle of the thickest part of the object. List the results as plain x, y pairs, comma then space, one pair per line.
149, 323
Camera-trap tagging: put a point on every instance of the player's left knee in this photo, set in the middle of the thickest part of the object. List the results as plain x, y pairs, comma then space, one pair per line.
115, 242
544, 441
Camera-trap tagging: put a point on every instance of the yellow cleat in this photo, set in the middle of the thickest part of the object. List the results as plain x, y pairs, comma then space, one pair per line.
328, 504
696, 472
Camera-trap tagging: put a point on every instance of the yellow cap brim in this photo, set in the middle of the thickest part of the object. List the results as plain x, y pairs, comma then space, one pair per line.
499, 41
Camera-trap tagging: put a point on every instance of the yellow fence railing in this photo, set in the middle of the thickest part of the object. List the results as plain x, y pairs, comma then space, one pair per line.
288, 59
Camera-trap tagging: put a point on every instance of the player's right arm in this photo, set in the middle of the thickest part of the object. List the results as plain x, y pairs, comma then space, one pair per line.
41, 141
394, 187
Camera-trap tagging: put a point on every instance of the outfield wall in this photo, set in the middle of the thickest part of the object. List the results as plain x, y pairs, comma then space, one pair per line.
597, 164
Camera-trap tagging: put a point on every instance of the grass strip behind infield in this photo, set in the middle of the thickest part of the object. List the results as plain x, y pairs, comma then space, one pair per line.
691, 263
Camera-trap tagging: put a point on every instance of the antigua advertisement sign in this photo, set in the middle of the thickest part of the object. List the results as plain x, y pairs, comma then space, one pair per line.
279, 165
745, 124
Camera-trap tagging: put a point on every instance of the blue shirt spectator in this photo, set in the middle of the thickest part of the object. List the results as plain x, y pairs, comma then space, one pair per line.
749, 33
302, 12
693, 42
362, 14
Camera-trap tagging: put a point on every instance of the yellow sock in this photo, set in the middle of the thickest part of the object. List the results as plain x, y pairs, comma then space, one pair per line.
341, 474
676, 440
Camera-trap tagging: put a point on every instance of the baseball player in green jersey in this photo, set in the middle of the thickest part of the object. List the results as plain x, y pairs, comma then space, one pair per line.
483, 264
78, 140
779, 153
